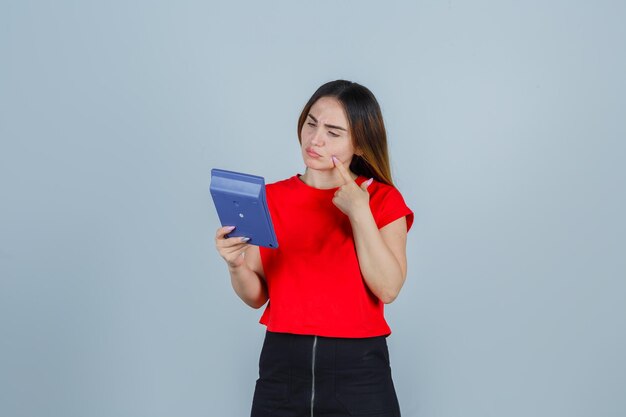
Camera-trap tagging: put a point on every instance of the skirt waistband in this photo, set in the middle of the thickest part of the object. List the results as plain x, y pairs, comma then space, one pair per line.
332, 354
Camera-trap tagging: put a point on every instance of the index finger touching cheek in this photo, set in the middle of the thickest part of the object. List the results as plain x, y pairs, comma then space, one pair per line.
342, 169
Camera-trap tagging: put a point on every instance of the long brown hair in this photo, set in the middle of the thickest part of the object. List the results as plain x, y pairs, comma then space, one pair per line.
366, 126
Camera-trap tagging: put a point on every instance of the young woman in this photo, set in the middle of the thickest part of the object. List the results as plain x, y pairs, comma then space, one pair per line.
341, 228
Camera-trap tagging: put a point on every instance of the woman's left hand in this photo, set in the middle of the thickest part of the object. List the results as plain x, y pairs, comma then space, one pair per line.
350, 198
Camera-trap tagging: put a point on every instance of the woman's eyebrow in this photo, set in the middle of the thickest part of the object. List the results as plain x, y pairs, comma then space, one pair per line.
327, 125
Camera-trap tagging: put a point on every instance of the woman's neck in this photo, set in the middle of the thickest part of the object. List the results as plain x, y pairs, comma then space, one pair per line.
324, 180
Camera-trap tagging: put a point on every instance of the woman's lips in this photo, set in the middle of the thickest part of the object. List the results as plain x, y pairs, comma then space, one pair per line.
312, 153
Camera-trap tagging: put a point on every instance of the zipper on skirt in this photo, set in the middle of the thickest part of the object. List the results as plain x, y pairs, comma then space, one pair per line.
313, 374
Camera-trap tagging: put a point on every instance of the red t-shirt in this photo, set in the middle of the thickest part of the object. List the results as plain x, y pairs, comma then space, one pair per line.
313, 278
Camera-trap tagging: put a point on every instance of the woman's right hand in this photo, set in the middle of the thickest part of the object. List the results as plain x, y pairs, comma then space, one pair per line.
232, 249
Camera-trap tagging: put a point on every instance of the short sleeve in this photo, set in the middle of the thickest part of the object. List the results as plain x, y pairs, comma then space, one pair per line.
388, 205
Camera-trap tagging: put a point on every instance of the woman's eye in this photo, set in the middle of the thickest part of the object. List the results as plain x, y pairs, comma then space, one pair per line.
311, 124
333, 134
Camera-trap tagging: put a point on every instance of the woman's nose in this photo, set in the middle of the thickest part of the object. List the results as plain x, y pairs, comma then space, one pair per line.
317, 138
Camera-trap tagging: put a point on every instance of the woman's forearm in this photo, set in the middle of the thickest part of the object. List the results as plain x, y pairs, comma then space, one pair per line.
248, 285
381, 270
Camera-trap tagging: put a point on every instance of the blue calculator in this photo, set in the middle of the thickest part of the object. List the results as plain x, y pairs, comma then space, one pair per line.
240, 201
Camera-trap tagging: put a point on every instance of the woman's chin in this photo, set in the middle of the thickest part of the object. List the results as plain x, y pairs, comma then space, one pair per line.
317, 164
318, 167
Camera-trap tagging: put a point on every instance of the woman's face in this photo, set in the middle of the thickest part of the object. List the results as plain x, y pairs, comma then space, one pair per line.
325, 134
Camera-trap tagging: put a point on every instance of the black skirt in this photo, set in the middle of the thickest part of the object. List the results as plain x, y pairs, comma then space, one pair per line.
309, 376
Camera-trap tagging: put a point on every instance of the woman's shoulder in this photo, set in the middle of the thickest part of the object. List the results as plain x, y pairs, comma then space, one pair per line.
382, 190
283, 188
388, 204
281, 184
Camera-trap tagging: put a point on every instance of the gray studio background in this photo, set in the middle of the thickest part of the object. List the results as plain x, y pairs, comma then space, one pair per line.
506, 128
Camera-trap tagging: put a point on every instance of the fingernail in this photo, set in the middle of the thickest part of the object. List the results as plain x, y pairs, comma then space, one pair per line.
368, 182
229, 228
245, 239
335, 160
